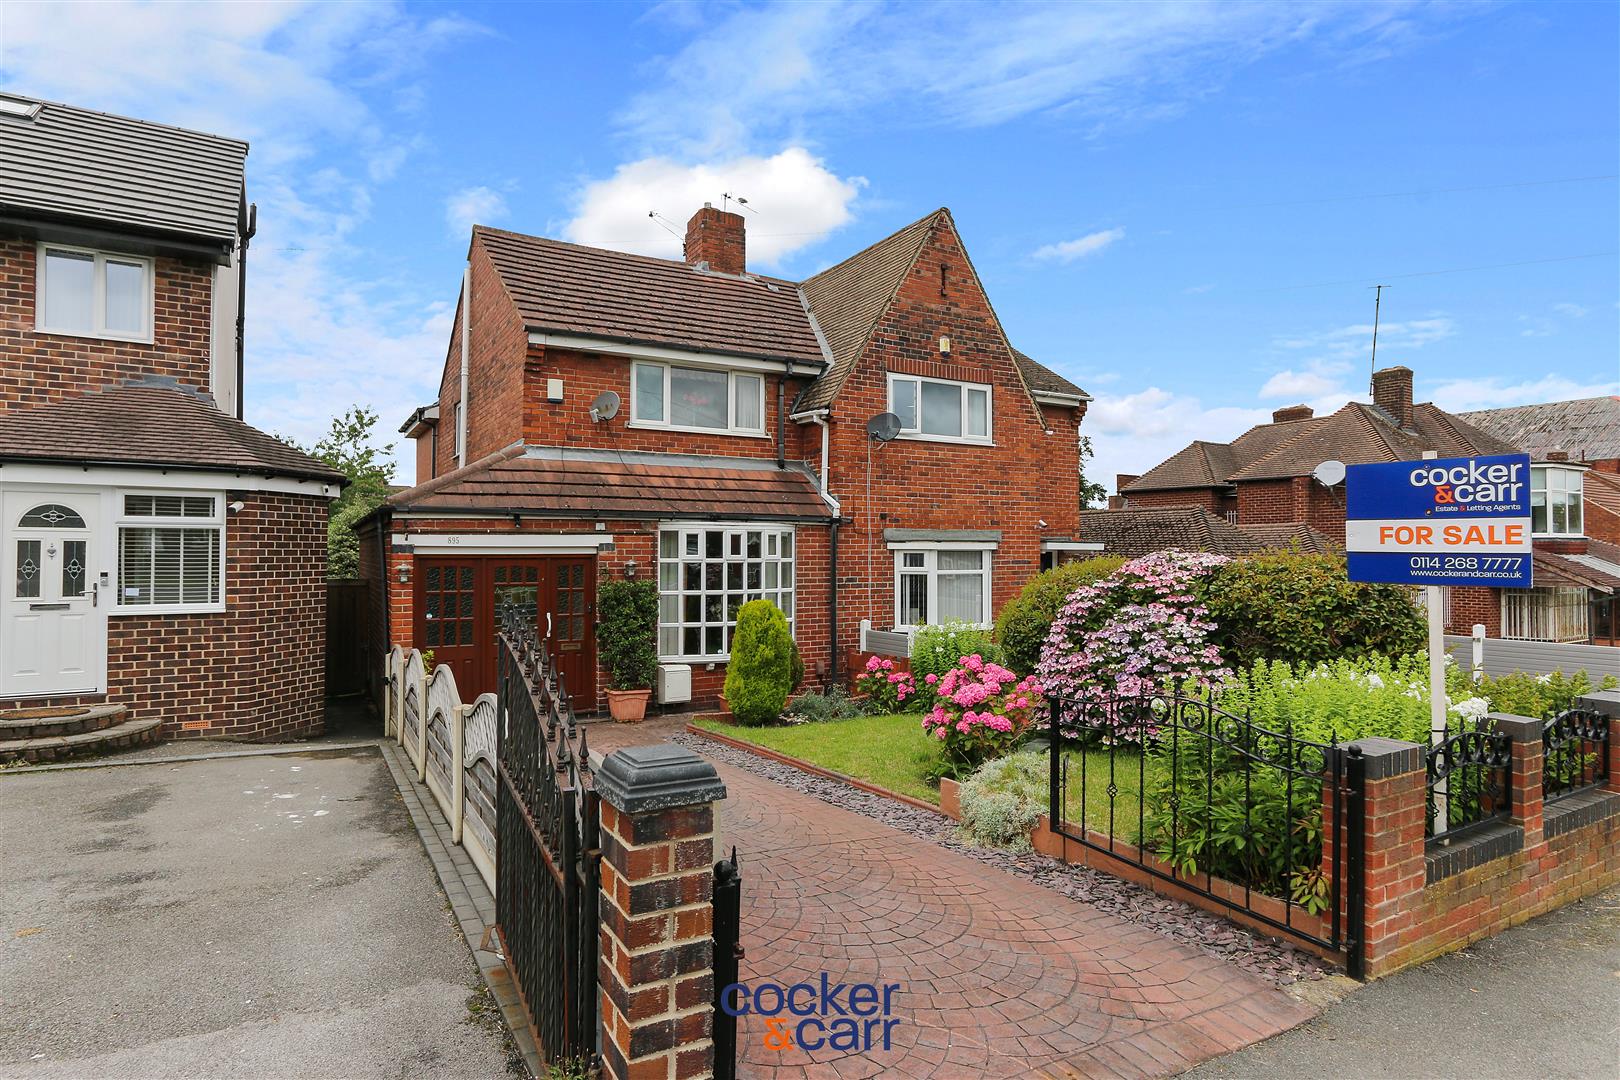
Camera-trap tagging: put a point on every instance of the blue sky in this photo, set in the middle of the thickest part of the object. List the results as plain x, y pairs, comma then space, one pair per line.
1180, 206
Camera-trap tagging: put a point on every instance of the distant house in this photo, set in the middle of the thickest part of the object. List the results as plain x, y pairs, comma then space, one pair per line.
159, 558
1143, 530
696, 423
1587, 429
1264, 478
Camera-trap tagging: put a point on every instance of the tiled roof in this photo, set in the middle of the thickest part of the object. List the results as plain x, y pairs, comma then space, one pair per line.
1587, 428
74, 163
1136, 531
150, 421
848, 299
1201, 464
1602, 489
1043, 380
568, 288
1294, 535
551, 482
1585, 571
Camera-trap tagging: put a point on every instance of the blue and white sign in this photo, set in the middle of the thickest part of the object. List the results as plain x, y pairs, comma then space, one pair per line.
1440, 521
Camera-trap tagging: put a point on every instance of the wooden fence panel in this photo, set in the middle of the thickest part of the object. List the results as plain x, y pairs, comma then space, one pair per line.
346, 646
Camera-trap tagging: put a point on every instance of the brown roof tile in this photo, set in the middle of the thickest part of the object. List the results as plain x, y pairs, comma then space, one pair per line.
1135, 531
1042, 379
150, 421
602, 484
1295, 535
1588, 429
568, 288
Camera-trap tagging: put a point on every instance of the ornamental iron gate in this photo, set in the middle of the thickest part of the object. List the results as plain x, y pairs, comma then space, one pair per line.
548, 854
1263, 823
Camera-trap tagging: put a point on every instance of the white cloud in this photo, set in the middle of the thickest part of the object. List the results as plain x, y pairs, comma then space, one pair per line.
1300, 384
1133, 433
1462, 395
794, 200
1080, 247
1354, 342
1570, 311
472, 206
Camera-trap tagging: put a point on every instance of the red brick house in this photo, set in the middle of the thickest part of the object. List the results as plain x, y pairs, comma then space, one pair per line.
158, 557
1264, 477
738, 463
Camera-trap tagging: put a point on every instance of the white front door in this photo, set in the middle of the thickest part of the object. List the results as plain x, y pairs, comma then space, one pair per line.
53, 627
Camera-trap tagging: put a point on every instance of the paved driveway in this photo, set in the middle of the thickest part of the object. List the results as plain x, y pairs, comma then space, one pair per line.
243, 916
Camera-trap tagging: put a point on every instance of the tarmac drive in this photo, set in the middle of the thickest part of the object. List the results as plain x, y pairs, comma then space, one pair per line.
1541, 1000
268, 916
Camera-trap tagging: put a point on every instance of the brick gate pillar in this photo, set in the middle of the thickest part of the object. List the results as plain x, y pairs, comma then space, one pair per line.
1392, 882
657, 957
1525, 791
1607, 702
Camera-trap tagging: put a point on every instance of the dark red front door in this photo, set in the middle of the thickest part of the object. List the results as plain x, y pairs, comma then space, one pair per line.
459, 599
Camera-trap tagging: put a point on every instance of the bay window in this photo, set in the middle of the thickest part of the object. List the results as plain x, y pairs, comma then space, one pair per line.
697, 399
937, 585
940, 409
171, 552
1555, 501
93, 293
705, 574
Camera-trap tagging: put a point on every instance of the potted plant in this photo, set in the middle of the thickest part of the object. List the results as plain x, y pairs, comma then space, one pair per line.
627, 636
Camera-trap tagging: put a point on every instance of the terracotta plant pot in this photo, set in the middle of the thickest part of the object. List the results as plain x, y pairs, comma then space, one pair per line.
628, 706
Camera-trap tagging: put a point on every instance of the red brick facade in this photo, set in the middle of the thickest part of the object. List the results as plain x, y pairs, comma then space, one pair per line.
42, 368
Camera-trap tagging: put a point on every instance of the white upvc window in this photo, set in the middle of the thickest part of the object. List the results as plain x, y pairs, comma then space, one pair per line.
1555, 501
937, 584
697, 399
706, 573
940, 408
171, 552
1546, 614
91, 293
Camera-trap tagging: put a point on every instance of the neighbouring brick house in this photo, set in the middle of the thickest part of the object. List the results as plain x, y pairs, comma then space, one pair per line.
738, 463
1264, 477
1144, 530
159, 558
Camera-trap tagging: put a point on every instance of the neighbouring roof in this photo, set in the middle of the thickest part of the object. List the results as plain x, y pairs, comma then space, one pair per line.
1043, 380
1602, 489
568, 288
556, 482
70, 163
1136, 531
150, 421
1357, 434
1588, 429
1589, 571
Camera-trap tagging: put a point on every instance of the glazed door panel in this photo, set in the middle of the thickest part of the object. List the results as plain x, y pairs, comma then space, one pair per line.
570, 624
451, 620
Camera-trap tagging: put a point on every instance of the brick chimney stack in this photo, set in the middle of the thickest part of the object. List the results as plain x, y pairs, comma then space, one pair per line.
1292, 412
716, 237
1392, 392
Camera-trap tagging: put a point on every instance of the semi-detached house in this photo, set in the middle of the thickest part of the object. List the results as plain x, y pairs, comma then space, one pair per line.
738, 462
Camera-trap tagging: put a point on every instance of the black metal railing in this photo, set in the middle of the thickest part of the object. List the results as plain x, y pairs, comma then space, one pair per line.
1263, 822
728, 952
1575, 753
1467, 781
548, 853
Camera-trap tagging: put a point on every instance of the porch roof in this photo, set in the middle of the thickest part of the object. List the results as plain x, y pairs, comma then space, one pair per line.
575, 483
1581, 571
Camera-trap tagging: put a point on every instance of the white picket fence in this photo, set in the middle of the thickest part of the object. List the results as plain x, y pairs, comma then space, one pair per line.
451, 746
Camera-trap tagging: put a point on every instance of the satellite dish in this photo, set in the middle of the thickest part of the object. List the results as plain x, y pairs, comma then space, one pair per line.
1330, 473
883, 427
606, 406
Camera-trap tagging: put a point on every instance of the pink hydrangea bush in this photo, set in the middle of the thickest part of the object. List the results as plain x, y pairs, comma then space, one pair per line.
887, 690
1138, 633
982, 711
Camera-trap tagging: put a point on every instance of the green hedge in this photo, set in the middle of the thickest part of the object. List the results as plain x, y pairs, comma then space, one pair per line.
627, 633
1024, 622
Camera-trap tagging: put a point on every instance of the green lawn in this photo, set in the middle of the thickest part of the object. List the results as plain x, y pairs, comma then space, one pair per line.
893, 753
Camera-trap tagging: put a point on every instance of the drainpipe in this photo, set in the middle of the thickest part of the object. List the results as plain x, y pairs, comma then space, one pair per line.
781, 422
248, 226
461, 411
832, 603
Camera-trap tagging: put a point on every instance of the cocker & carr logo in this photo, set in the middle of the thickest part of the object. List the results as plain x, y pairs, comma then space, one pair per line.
1475, 482
838, 1016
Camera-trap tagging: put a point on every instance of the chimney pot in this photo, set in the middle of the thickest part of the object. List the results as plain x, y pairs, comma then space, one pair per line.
1392, 392
1292, 412
716, 238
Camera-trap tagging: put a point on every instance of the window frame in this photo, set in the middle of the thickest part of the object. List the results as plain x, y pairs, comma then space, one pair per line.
787, 580
123, 520
1545, 490
917, 433
98, 293
930, 551
732, 375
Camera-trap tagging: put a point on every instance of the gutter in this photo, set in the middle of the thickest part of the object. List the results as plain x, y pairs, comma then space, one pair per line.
819, 418
335, 479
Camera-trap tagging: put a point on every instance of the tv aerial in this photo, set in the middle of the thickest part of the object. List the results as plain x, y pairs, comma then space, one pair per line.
883, 427
1330, 473
605, 407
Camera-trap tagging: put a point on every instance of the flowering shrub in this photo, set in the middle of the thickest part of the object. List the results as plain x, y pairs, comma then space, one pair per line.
1137, 633
886, 690
982, 711
938, 647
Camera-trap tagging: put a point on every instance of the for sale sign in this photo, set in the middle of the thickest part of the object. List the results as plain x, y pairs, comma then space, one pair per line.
1440, 521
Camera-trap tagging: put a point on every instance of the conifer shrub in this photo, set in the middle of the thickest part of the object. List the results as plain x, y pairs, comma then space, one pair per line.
760, 674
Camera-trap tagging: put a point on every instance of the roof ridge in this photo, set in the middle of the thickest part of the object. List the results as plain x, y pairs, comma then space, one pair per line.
635, 255
126, 119
875, 244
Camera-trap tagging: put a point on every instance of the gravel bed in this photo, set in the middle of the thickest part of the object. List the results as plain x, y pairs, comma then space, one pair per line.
1274, 961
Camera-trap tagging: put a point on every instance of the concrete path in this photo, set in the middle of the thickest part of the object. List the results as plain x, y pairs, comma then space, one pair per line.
1536, 1001
261, 916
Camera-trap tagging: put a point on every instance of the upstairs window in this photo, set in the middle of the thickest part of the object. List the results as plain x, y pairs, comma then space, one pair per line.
1555, 501
939, 409
697, 399
93, 294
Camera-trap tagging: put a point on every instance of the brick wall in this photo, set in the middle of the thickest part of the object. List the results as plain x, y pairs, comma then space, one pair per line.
1209, 498
1470, 604
496, 347
41, 368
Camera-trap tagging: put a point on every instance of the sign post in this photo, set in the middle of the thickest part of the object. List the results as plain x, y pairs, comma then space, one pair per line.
1434, 523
